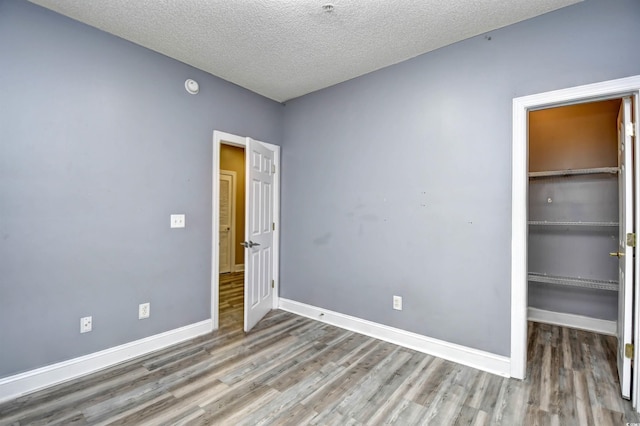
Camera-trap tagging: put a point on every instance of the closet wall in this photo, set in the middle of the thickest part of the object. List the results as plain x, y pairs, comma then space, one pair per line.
573, 216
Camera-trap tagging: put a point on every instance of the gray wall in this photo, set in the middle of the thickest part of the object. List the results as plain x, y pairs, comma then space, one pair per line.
398, 182
99, 144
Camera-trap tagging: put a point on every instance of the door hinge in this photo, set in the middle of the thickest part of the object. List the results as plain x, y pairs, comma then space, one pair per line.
273, 168
273, 284
631, 129
628, 350
273, 226
631, 239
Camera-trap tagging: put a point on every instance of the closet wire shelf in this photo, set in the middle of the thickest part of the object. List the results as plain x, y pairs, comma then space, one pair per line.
574, 282
597, 170
578, 223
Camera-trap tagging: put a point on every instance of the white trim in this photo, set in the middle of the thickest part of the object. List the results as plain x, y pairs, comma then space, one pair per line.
635, 383
573, 321
519, 267
234, 140
239, 267
33, 380
474, 358
519, 188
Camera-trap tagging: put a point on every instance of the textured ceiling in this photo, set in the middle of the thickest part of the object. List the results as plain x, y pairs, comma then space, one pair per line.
283, 49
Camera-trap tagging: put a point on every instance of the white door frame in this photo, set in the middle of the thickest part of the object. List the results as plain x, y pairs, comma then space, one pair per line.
234, 140
233, 202
519, 195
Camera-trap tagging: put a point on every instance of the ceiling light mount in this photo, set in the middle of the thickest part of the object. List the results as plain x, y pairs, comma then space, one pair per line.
328, 7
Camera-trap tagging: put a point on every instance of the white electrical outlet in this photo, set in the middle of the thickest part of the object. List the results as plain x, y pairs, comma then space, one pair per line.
144, 310
397, 303
86, 324
177, 221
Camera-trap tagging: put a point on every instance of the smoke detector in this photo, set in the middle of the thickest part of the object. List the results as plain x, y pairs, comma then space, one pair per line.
192, 86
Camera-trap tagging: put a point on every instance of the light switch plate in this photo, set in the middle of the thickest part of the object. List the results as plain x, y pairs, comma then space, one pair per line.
177, 221
397, 303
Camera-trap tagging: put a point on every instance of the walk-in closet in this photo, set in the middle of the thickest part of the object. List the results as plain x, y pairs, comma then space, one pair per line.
573, 215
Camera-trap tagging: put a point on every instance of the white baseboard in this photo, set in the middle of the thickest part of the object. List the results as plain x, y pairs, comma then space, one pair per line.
33, 380
475, 358
238, 268
573, 321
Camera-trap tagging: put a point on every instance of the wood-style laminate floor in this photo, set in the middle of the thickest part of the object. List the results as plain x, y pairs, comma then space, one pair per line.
231, 301
292, 370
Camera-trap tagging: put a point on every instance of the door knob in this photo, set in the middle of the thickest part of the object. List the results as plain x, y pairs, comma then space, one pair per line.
616, 254
249, 244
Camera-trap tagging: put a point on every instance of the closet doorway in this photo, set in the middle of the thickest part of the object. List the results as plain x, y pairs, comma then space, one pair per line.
573, 204
573, 209
578, 212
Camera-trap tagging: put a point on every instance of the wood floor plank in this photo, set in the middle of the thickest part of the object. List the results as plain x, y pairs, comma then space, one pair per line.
490, 394
371, 389
333, 418
482, 419
287, 398
564, 405
466, 416
328, 397
583, 403
296, 415
404, 379
445, 401
407, 413
476, 390
134, 414
512, 402
206, 395
236, 397
293, 370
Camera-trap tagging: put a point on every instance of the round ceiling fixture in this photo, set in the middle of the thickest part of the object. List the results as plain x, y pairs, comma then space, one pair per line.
328, 8
192, 86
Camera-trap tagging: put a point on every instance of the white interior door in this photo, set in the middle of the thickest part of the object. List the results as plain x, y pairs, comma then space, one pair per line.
259, 232
226, 221
625, 251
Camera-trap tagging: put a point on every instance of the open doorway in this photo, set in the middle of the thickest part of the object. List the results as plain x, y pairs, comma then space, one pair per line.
628, 88
573, 209
576, 205
259, 272
231, 235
